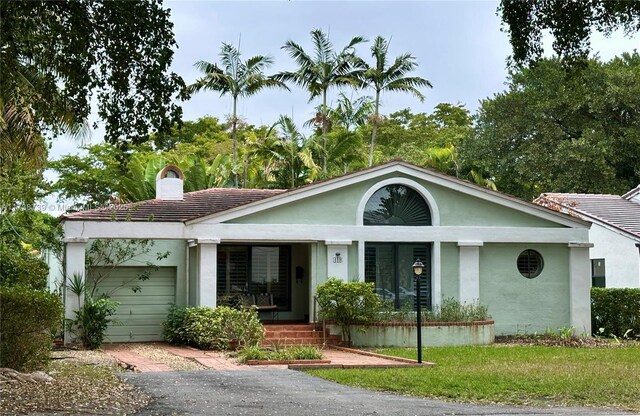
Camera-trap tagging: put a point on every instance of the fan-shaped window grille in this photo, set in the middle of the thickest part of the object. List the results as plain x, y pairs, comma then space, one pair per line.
396, 205
530, 264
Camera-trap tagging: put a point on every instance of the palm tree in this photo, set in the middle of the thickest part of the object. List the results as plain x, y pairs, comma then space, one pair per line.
325, 69
382, 77
352, 113
288, 157
236, 78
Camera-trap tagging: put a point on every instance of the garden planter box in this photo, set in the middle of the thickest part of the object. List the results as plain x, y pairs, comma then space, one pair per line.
434, 334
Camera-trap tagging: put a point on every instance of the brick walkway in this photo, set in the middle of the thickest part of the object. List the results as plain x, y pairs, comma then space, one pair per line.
133, 360
340, 358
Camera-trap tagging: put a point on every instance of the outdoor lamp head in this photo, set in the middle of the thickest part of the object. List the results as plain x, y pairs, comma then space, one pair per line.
417, 267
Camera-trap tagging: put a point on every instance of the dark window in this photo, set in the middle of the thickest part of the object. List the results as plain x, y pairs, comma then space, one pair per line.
255, 270
598, 274
396, 205
530, 264
389, 267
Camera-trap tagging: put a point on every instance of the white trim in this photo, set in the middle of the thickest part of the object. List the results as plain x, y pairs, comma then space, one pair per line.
208, 241
338, 242
338, 262
436, 275
361, 260
579, 289
207, 274
74, 265
433, 207
430, 176
469, 273
75, 240
470, 243
311, 233
575, 244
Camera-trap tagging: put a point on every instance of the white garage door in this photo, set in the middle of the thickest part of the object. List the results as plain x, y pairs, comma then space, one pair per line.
141, 313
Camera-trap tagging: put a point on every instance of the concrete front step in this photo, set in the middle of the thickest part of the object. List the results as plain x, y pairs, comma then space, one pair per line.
297, 334
293, 334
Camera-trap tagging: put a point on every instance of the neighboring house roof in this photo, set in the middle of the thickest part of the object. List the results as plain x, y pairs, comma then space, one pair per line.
614, 211
200, 205
194, 205
632, 193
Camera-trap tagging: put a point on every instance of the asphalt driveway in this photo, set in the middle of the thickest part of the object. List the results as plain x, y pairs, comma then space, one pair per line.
267, 391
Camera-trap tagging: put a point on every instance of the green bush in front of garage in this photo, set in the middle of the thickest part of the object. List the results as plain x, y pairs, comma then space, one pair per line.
213, 328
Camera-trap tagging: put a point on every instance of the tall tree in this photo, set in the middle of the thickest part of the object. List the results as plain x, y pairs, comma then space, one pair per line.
384, 77
351, 113
324, 69
55, 55
570, 23
287, 154
238, 79
554, 131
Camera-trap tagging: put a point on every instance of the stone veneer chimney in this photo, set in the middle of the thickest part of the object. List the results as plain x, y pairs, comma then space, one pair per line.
169, 184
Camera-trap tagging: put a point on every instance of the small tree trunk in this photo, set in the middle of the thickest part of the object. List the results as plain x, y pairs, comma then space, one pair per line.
324, 132
374, 133
234, 124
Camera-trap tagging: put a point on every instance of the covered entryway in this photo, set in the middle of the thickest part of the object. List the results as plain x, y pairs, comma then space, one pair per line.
141, 312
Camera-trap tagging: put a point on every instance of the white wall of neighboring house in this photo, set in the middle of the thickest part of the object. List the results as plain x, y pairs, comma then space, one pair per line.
622, 260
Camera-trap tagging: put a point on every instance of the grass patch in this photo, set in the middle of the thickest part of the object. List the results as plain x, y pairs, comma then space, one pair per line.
533, 375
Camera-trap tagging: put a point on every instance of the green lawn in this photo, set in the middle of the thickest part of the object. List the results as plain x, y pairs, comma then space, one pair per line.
534, 375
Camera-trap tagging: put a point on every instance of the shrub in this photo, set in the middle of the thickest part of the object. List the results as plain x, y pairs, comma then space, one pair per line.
347, 304
210, 328
298, 352
173, 327
615, 312
93, 317
28, 320
92, 320
19, 267
451, 310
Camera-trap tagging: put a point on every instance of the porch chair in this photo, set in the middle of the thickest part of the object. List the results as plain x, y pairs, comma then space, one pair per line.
264, 303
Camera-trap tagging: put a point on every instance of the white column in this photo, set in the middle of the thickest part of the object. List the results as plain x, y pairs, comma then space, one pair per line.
580, 287
338, 259
469, 271
436, 275
207, 271
361, 244
74, 266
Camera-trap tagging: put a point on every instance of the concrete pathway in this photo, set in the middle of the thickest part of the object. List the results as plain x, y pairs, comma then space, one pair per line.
214, 360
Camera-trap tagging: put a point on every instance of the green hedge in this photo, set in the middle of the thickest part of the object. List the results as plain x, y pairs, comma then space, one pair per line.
28, 320
615, 311
210, 328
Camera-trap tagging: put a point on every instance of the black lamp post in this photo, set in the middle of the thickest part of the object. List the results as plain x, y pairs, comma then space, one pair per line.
417, 271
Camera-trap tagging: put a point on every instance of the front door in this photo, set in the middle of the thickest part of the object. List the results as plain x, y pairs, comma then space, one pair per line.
254, 270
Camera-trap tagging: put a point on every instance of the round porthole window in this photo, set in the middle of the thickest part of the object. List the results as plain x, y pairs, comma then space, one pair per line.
530, 264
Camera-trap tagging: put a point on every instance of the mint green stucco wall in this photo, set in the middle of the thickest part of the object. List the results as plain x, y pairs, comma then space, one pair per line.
518, 304
449, 266
339, 207
176, 258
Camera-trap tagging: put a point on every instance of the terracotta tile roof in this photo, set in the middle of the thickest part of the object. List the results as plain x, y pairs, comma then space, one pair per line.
194, 205
613, 210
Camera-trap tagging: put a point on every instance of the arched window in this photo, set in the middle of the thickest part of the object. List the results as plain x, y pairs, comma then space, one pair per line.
396, 205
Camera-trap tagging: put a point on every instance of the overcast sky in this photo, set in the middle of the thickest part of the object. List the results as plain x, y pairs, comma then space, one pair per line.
458, 45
